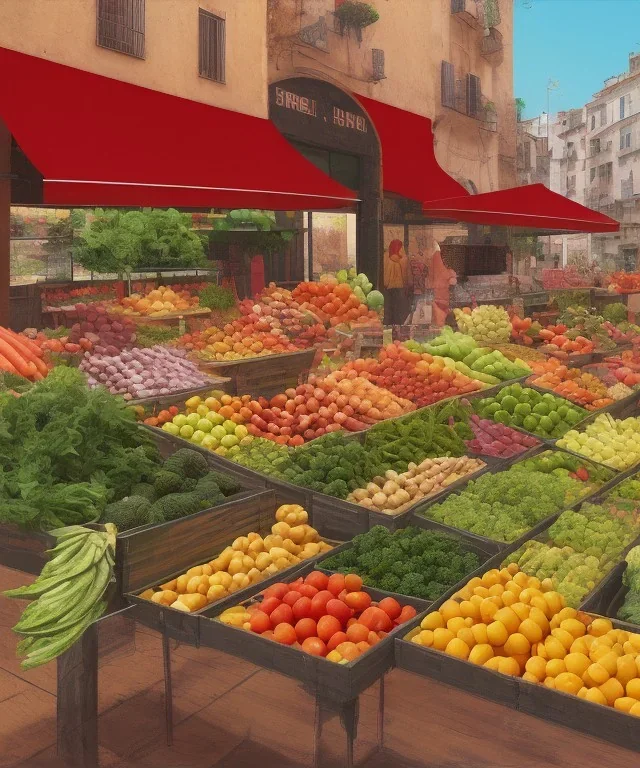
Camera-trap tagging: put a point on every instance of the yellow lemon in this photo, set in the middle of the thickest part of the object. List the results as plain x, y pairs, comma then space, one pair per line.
508, 598
480, 633
547, 585
555, 667
441, 638
464, 593
635, 709
597, 673
476, 600
579, 646
582, 693
492, 663
564, 637
517, 644
536, 667
555, 601
505, 576
626, 668
600, 627
425, 638
554, 648
456, 624
530, 677
497, 633
466, 635
624, 703
490, 578
633, 688
449, 610
612, 690
473, 583
568, 682
577, 663
521, 610
574, 627
469, 610
539, 602
508, 666
496, 590
540, 618
521, 579
596, 696
509, 618
481, 653
513, 569
512, 587
565, 613
610, 662
481, 591
488, 609
550, 682
531, 631
432, 621
457, 648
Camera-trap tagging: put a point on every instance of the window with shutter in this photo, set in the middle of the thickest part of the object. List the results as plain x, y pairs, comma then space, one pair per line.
474, 96
212, 43
120, 26
448, 85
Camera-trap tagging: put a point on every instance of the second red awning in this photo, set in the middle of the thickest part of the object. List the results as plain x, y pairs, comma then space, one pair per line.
533, 206
102, 142
409, 165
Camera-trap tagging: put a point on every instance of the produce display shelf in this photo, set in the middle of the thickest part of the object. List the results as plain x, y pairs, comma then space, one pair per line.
178, 396
340, 683
172, 318
197, 540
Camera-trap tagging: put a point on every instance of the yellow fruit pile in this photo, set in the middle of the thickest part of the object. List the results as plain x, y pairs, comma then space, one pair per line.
247, 561
509, 622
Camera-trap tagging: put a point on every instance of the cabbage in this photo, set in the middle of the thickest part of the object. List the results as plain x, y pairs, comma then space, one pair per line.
342, 276
352, 272
375, 300
357, 291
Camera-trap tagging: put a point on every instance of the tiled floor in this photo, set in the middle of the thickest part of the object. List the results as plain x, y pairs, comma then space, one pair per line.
231, 714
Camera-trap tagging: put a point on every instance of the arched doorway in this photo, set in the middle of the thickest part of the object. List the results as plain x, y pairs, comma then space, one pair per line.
333, 132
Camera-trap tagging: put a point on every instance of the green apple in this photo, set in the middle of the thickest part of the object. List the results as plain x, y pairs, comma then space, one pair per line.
218, 432
241, 431
233, 450
186, 431
180, 420
221, 450
204, 425
217, 393
229, 427
208, 441
171, 427
215, 418
197, 436
246, 440
193, 419
202, 410
228, 441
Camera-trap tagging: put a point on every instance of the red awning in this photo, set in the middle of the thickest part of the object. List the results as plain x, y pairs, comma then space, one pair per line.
533, 206
99, 141
409, 165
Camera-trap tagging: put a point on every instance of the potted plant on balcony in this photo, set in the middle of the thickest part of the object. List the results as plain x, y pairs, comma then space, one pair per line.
355, 15
490, 114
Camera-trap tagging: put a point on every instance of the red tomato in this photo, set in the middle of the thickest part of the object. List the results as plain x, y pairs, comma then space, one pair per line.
268, 634
292, 597
373, 638
327, 627
376, 619
408, 612
348, 651
359, 601
314, 647
336, 639
341, 611
305, 628
260, 622
283, 614
317, 579
285, 634
297, 583
352, 583
357, 633
269, 604
363, 646
278, 590
306, 590
319, 604
335, 585
302, 608
391, 607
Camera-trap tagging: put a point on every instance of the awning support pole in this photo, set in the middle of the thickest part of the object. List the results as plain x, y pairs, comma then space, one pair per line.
5, 212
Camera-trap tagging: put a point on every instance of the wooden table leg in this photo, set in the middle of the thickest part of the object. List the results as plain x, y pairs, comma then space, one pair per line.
78, 702
381, 713
347, 712
168, 690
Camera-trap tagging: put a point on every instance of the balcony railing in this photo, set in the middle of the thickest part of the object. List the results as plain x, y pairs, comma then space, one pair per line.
491, 46
467, 11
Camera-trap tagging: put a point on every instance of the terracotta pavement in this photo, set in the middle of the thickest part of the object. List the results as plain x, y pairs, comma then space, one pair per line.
231, 714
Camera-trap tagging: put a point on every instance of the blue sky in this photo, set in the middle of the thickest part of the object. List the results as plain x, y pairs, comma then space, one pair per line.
578, 43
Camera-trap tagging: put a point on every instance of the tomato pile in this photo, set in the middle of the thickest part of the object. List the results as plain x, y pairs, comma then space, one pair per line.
578, 386
329, 616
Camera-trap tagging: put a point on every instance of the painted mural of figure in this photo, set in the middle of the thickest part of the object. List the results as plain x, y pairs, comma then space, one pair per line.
397, 284
441, 278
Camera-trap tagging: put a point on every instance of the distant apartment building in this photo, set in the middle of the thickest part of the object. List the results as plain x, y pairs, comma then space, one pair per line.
592, 155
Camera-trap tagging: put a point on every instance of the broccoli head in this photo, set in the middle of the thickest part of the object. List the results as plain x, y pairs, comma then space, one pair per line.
177, 505
227, 485
167, 482
128, 513
187, 463
145, 490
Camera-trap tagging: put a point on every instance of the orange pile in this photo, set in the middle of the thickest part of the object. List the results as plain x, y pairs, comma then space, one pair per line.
337, 303
158, 302
236, 340
576, 385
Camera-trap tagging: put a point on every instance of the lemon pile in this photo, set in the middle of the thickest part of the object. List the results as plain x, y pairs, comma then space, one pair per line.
508, 622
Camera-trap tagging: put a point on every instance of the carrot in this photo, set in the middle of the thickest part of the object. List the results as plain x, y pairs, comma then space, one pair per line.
15, 342
25, 341
5, 365
15, 358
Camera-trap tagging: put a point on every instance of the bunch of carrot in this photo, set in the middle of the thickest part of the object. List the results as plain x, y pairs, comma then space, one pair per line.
21, 356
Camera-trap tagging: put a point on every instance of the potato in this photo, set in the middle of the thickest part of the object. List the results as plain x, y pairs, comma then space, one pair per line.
254, 575
196, 571
221, 562
366, 503
222, 577
194, 583
166, 597
281, 563
178, 606
170, 585
297, 534
241, 544
207, 570
291, 546
270, 570
403, 496
148, 594
257, 545
380, 500
237, 566
277, 552
241, 579
181, 583
216, 592
325, 547
272, 541
360, 493
281, 529
263, 560
253, 536
194, 602
390, 474
248, 562
310, 550
311, 534
373, 488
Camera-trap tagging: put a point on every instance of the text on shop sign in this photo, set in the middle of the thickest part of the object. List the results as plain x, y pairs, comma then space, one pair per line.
341, 117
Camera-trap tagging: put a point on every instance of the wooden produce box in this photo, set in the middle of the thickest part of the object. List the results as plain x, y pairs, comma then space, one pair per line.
158, 402
172, 318
267, 376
